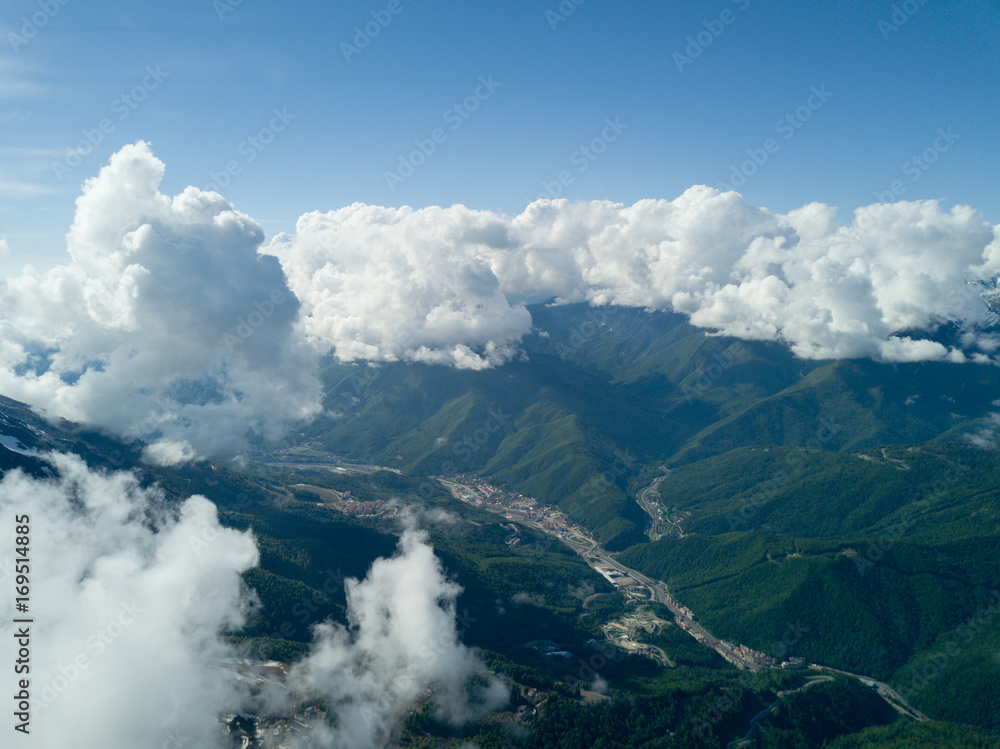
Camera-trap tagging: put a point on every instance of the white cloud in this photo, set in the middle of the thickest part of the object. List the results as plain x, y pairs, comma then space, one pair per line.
131, 597
168, 453
16, 76
171, 323
826, 290
403, 639
651, 254
129, 600
380, 283
13, 188
385, 285
165, 324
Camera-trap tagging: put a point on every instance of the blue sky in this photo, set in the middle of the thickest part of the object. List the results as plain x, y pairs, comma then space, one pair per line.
892, 91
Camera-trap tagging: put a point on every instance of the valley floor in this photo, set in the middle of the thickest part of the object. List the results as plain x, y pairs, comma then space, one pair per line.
527, 510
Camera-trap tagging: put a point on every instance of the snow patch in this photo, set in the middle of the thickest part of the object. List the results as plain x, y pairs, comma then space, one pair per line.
14, 445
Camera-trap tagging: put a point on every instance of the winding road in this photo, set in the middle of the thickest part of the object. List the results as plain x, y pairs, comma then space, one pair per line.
647, 506
596, 556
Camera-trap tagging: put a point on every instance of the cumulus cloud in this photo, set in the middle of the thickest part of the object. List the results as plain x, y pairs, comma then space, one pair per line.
403, 639
431, 285
386, 284
165, 324
131, 597
825, 289
168, 453
173, 323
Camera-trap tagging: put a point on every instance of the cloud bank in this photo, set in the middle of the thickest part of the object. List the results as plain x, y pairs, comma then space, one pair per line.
173, 323
166, 324
388, 284
132, 594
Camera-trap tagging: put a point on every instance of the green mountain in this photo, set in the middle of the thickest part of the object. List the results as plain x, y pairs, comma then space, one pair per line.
830, 510
838, 499
604, 396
